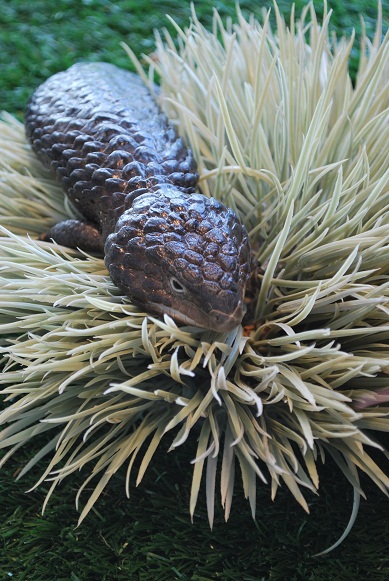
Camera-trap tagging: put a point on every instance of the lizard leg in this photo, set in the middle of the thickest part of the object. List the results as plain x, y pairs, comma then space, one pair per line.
75, 234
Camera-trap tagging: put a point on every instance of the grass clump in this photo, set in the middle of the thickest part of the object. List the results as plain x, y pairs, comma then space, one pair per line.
283, 136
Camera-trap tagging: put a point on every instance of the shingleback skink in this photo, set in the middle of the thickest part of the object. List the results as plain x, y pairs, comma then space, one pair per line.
127, 172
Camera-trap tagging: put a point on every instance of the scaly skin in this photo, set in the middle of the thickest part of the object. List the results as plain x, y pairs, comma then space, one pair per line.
121, 163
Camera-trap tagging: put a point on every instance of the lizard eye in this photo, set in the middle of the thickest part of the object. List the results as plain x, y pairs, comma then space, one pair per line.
176, 285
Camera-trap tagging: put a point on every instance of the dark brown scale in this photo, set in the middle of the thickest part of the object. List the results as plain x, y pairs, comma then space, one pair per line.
122, 165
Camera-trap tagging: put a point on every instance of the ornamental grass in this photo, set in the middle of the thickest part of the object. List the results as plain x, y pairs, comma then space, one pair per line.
300, 151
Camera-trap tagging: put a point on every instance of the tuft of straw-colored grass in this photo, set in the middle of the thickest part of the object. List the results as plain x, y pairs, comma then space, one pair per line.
283, 137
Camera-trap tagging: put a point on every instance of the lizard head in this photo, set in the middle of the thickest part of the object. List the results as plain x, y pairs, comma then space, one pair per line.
187, 256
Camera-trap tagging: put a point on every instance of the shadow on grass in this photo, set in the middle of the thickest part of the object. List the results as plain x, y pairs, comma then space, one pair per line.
150, 536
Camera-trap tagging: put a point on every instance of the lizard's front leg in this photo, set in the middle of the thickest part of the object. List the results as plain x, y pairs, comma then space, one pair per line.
75, 234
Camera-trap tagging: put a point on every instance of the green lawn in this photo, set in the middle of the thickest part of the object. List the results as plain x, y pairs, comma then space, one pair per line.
150, 537
42, 37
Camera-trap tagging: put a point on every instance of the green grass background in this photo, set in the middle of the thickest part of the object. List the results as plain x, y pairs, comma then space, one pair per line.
150, 537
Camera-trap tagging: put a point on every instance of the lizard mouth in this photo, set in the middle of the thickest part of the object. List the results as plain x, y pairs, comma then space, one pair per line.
214, 320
